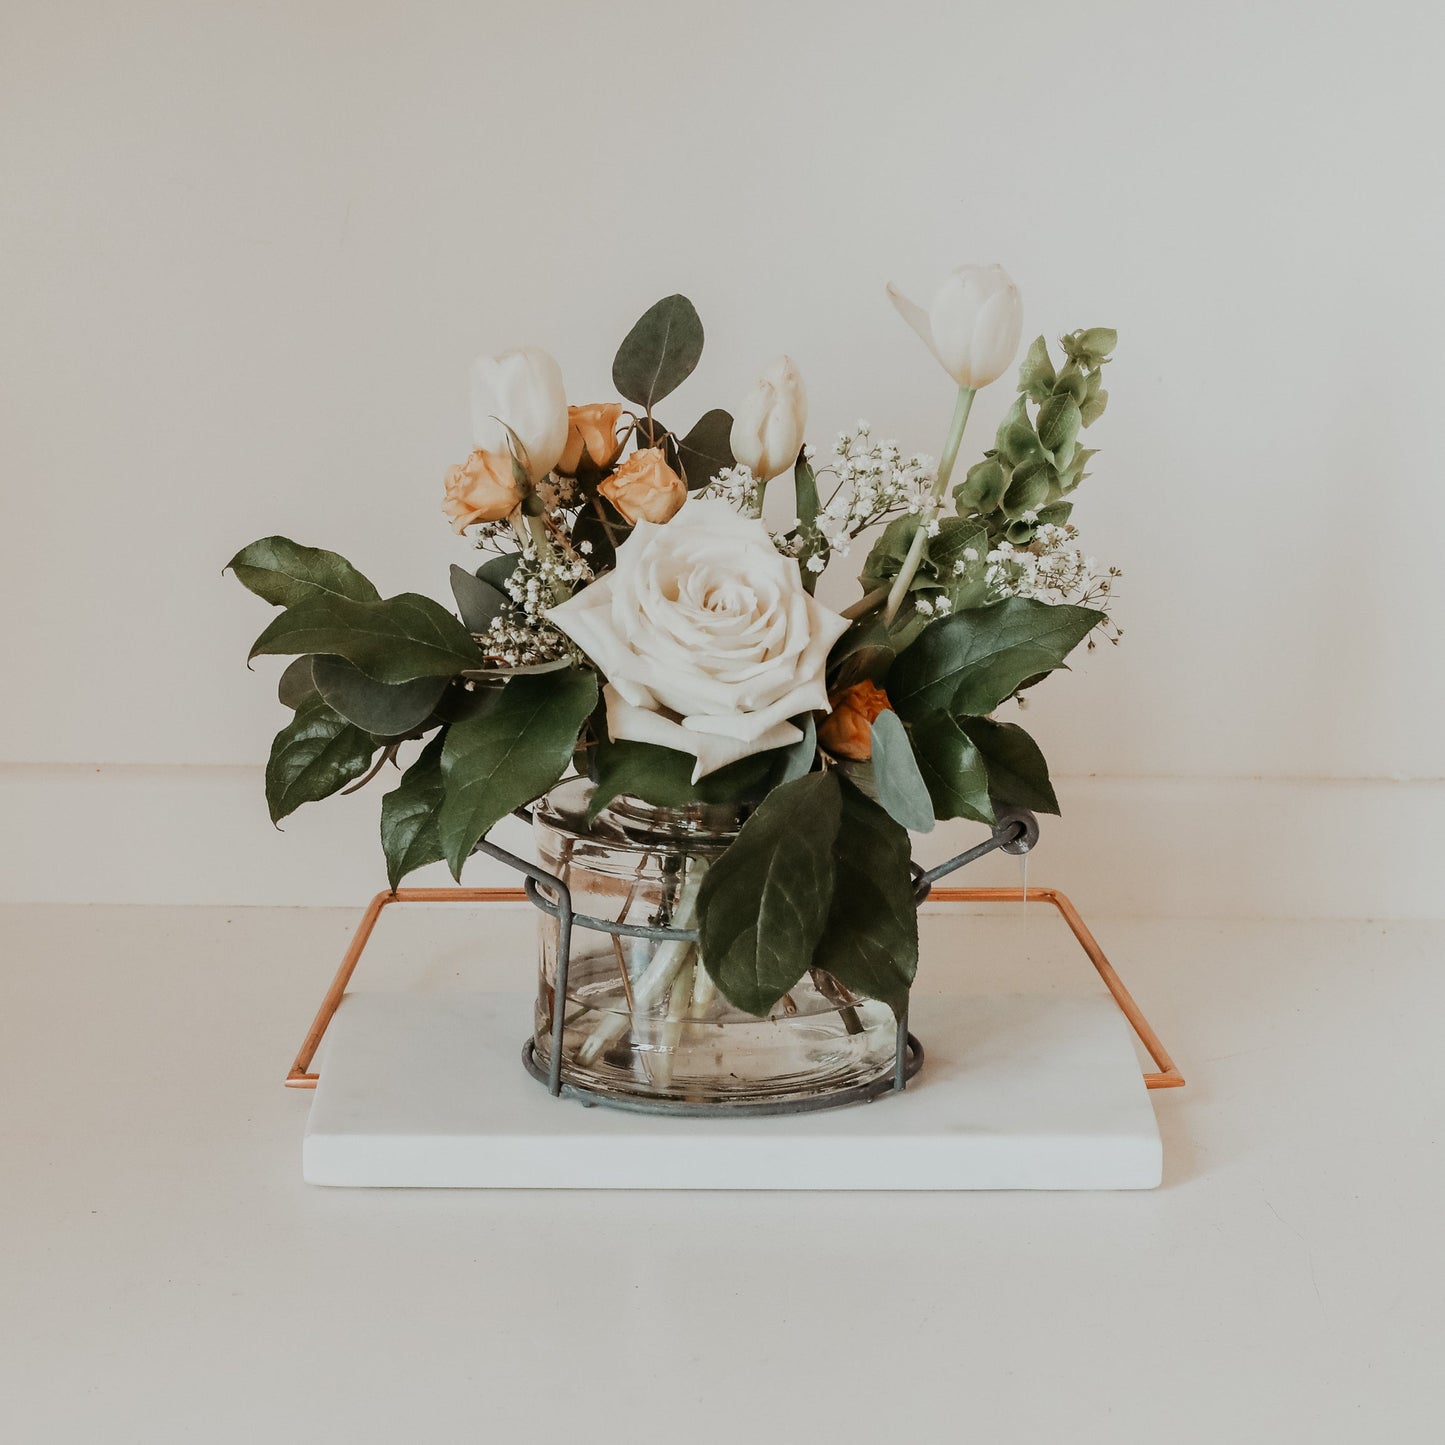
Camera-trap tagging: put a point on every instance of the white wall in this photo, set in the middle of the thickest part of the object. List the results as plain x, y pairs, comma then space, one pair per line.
247, 253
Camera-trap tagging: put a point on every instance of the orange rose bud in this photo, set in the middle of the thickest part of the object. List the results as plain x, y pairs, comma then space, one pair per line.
847, 731
482, 489
592, 438
644, 488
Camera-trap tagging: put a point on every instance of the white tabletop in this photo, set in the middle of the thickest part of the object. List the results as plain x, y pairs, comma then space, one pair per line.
166, 1276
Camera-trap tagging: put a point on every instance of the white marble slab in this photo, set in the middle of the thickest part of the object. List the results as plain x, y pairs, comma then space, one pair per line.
1017, 1092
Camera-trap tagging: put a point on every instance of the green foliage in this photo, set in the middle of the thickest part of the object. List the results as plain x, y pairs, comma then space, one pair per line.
404, 637
285, 573
296, 684
477, 601
865, 651
663, 776
952, 768
1018, 776
316, 754
509, 754
409, 835
897, 782
1036, 460
764, 904
707, 449
967, 664
659, 353
383, 709
870, 941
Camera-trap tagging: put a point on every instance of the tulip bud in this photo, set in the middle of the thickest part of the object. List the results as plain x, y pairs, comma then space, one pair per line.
847, 731
973, 326
482, 489
519, 402
767, 432
644, 488
592, 439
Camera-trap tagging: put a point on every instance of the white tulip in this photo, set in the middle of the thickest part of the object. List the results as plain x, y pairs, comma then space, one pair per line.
707, 638
768, 429
523, 390
973, 326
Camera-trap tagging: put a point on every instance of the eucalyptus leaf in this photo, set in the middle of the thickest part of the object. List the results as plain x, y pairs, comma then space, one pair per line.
953, 769
509, 755
707, 449
659, 353
1018, 776
404, 637
764, 904
383, 709
285, 573
899, 784
315, 755
970, 662
495, 570
296, 684
409, 836
477, 601
870, 942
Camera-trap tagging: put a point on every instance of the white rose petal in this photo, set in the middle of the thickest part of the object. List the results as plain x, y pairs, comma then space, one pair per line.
706, 636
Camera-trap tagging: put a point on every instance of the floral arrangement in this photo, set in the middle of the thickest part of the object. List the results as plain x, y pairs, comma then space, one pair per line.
639, 619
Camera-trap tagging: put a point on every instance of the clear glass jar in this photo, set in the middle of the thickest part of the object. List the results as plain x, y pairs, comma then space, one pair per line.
644, 1021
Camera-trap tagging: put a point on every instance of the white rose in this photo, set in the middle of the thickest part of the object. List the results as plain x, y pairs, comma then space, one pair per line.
707, 639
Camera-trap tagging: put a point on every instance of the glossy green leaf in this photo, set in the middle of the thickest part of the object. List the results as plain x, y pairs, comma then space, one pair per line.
1018, 776
707, 449
870, 942
896, 778
383, 709
970, 662
409, 836
953, 769
477, 601
764, 904
285, 573
296, 684
663, 776
402, 638
316, 754
510, 754
659, 353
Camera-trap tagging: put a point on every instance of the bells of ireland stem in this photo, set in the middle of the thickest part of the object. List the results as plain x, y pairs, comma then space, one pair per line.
768, 427
520, 405
972, 327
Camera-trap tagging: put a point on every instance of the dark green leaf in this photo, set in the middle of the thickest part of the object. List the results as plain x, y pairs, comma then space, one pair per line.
805, 492
477, 601
969, 662
285, 573
510, 754
866, 650
1029, 487
604, 533
1059, 422
707, 449
409, 836
1018, 776
663, 776
405, 637
383, 709
495, 570
659, 353
886, 559
899, 784
870, 942
953, 768
296, 684
316, 754
764, 904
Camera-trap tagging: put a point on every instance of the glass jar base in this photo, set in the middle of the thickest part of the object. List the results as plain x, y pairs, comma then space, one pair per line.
818, 1095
